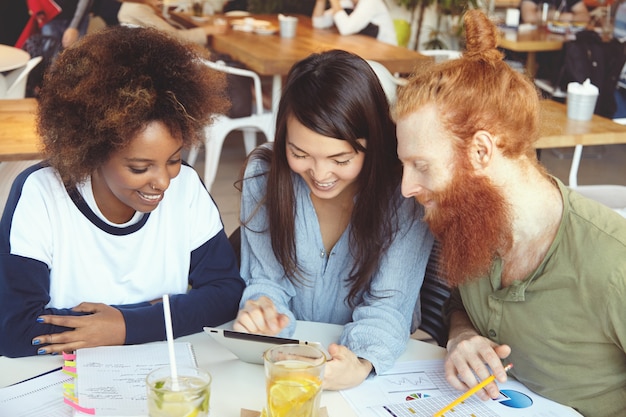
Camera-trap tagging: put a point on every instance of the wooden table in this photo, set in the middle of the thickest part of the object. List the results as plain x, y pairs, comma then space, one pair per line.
271, 55
558, 131
531, 42
18, 137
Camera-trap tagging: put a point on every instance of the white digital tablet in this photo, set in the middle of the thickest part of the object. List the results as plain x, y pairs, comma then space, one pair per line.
250, 347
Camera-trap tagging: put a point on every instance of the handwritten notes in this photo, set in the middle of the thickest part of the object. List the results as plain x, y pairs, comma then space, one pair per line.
112, 379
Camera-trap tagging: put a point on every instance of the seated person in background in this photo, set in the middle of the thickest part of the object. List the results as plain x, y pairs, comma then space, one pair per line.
107, 10
147, 13
93, 237
549, 63
561, 10
326, 236
539, 270
366, 17
71, 24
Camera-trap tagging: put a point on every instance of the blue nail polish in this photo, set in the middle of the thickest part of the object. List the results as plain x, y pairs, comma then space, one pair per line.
36, 342
39, 320
41, 352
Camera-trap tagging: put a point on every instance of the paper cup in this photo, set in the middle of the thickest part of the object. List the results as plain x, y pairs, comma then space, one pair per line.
581, 106
288, 25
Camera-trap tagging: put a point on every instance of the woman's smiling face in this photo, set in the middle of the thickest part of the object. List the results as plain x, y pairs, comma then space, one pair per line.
328, 165
135, 178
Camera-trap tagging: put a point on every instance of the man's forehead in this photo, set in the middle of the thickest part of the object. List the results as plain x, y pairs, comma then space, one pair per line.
421, 132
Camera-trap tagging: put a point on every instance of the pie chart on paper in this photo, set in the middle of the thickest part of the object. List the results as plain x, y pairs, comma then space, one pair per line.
516, 399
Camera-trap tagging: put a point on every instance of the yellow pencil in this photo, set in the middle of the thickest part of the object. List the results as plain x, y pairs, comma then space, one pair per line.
469, 393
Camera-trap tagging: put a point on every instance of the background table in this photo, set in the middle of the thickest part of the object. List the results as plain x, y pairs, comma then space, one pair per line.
559, 131
236, 384
271, 55
12, 58
19, 140
531, 42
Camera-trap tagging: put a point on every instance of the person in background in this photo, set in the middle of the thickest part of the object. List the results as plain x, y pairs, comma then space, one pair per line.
71, 24
366, 17
107, 10
92, 238
326, 235
147, 13
560, 10
538, 270
549, 64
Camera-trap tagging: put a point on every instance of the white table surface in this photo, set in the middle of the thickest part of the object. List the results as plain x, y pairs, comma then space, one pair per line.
236, 384
12, 58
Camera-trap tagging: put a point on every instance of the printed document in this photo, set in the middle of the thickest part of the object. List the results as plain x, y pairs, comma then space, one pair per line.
419, 389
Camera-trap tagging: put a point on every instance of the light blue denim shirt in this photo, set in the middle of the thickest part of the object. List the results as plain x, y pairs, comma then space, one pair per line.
377, 329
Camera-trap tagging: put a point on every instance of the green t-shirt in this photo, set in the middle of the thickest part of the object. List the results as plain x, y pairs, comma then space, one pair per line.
566, 321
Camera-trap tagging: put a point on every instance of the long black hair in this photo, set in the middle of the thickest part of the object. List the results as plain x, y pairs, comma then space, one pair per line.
338, 95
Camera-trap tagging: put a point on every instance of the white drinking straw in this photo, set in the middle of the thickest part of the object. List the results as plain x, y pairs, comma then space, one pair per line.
170, 341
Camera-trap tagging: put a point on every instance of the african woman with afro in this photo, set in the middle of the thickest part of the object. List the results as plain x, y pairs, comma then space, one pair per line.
113, 219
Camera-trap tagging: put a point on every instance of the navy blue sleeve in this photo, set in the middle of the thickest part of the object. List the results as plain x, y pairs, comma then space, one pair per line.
24, 288
24, 293
213, 299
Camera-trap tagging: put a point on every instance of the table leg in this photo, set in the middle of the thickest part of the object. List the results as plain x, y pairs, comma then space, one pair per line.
531, 64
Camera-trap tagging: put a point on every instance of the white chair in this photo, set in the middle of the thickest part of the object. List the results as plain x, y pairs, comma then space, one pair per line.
441, 55
3, 86
613, 196
388, 81
16, 80
215, 134
8, 171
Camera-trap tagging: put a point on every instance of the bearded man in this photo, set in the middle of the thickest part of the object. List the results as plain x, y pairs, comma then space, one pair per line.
539, 271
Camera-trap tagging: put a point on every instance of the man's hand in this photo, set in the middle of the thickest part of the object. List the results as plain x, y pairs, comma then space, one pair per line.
469, 357
260, 317
105, 326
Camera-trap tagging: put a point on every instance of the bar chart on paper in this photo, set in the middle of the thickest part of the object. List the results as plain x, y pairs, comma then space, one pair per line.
472, 407
419, 389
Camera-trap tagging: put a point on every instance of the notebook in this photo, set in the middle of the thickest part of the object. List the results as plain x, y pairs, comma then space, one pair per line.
110, 380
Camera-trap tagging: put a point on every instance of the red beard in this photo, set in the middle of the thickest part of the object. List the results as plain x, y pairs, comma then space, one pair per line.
471, 220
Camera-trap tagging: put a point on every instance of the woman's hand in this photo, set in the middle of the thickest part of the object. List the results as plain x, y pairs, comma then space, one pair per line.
345, 369
105, 326
335, 5
260, 317
470, 356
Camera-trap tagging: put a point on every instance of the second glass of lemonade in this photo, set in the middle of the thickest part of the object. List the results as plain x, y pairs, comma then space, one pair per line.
293, 377
189, 397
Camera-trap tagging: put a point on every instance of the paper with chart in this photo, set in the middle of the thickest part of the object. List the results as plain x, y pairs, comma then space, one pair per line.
419, 389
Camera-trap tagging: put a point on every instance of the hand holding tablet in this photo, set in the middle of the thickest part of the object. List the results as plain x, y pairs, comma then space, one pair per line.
250, 347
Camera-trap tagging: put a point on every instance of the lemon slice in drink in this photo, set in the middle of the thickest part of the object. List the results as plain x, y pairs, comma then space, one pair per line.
176, 404
291, 396
178, 409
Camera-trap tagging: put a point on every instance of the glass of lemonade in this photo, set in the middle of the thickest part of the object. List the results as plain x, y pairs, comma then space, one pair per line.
293, 377
190, 400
